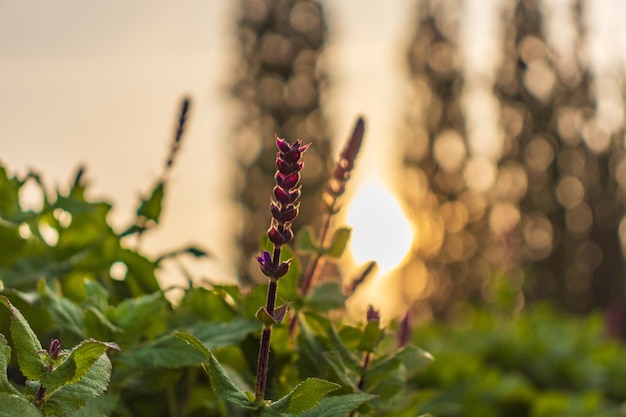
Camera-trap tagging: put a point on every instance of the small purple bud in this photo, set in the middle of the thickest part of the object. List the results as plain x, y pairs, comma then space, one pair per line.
287, 168
55, 348
282, 269
285, 215
265, 262
288, 214
290, 181
291, 157
276, 237
372, 315
282, 145
282, 196
293, 195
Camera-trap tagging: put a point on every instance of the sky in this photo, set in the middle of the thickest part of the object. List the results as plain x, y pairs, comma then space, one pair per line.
99, 84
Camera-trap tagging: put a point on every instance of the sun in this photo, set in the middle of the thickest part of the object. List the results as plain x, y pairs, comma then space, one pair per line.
380, 230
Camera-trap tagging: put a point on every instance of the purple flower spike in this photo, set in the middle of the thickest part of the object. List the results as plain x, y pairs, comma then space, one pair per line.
284, 210
284, 206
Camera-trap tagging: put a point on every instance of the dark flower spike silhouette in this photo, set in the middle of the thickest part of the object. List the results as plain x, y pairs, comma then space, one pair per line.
335, 189
284, 209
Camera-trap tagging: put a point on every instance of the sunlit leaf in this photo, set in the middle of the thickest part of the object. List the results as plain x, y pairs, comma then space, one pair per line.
27, 346
304, 396
72, 397
78, 362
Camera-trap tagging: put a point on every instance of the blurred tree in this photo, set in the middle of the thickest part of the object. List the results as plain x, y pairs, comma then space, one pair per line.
278, 83
546, 200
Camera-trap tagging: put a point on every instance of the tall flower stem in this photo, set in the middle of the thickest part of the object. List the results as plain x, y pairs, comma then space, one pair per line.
284, 209
335, 189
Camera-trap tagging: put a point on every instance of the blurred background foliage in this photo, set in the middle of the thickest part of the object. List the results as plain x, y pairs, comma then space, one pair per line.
513, 163
539, 192
279, 81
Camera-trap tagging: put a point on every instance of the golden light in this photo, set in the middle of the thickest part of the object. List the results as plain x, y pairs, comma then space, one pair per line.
381, 231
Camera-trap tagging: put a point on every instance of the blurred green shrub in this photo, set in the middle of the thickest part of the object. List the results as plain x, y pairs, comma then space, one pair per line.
540, 363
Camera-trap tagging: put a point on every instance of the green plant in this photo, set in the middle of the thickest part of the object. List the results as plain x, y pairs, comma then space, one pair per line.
69, 276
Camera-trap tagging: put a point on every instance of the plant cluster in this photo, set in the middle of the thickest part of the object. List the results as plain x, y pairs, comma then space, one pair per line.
133, 352
538, 363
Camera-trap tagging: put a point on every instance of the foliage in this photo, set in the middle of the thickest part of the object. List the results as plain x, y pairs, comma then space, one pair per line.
540, 364
58, 283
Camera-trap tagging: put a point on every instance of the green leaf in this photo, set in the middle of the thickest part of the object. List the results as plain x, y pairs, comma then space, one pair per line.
304, 396
223, 386
102, 406
265, 317
171, 352
339, 242
79, 361
371, 336
338, 405
307, 243
70, 398
326, 296
5, 359
150, 209
347, 377
139, 317
65, 314
12, 405
206, 304
27, 346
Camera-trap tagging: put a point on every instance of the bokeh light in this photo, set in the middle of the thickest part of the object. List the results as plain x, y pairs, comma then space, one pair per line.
381, 231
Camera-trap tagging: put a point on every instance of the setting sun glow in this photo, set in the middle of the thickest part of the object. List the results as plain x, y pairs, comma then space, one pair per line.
381, 232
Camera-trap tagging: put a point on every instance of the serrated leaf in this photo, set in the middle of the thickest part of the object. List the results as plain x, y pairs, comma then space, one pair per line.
339, 242
223, 386
326, 296
70, 398
338, 405
5, 359
150, 208
304, 396
12, 405
27, 346
76, 365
